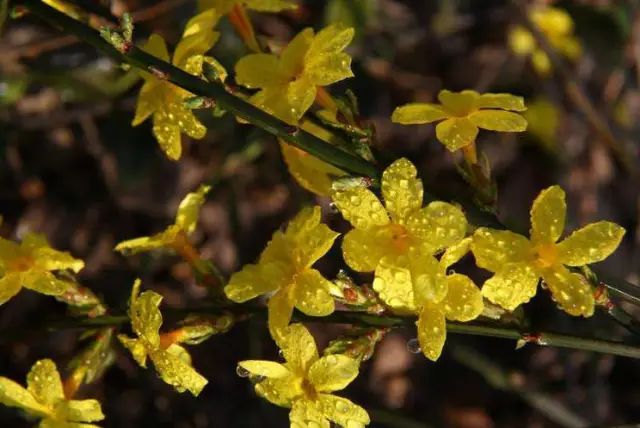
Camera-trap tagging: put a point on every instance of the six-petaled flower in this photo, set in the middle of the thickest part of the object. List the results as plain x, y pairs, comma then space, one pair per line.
44, 398
461, 114
31, 264
172, 362
285, 269
288, 83
305, 382
519, 262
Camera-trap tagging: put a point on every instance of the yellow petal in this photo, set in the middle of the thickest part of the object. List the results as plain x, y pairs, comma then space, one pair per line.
136, 347
186, 120
454, 253
432, 331
541, 62
459, 103
326, 69
571, 290
502, 101
43, 382
268, 369
157, 47
306, 414
194, 46
548, 214
167, 133
331, 39
333, 372
308, 238
427, 277
298, 347
280, 309
148, 102
438, 225
393, 282
147, 243
44, 282
342, 411
253, 280
493, 249
360, 207
363, 249
13, 394
593, 243
300, 96
456, 133
259, 71
80, 411
10, 285
273, 100
311, 294
464, 300
34, 241
189, 208
292, 57
50, 259
146, 318
177, 373
280, 392
499, 120
8, 249
310, 172
401, 189
552, 20
511, 286
418, 113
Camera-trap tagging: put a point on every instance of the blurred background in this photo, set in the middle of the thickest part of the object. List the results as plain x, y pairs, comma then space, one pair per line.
73, 168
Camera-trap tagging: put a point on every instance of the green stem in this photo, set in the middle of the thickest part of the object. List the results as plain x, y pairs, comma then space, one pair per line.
388, 321
217, 91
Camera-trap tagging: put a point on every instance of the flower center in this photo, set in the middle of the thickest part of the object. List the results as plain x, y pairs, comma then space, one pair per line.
308, 389
400, 237
20, 264
546, 255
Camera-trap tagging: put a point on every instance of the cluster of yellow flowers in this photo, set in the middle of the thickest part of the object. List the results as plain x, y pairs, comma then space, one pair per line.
407, 246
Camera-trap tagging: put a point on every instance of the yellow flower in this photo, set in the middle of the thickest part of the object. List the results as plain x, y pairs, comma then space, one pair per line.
462, 113
399, 244
173, 363
519, 262
44, 398
288, 83
174, 235
304, 383
557, 26
163, 100
225, 6
543, 118
285, 268
30, 264
463, 302
310, 172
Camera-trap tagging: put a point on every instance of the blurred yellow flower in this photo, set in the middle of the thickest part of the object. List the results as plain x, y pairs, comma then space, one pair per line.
44, 398
557, 26
304, 383
30, 264
543, 118
285, 268
519, 262
399, 244
163, 100
225, 6
174, 236
172, 363
64, 7
288, 83
462, 113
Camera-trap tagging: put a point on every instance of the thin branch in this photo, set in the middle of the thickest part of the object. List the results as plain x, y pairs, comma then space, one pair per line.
387, 321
